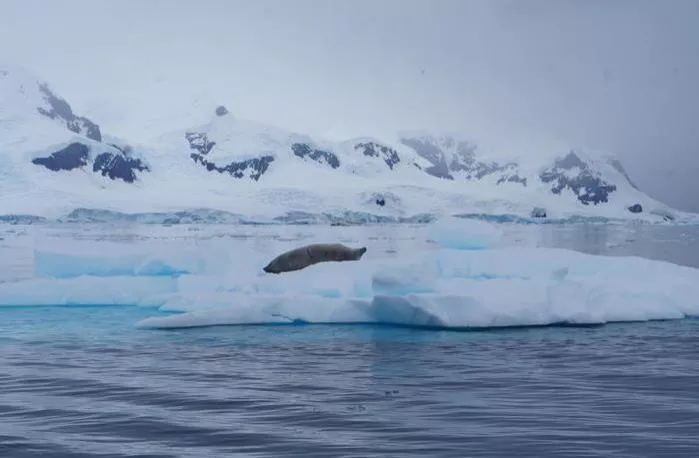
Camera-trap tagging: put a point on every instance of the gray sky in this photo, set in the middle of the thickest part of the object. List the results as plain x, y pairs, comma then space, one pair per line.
618, 75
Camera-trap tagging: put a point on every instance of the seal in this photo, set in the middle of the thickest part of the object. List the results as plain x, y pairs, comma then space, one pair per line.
300, 258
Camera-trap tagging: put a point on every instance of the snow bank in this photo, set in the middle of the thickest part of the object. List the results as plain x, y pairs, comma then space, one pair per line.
110, 259
68, 266
86, 290
442, 288
464, 234
456, 289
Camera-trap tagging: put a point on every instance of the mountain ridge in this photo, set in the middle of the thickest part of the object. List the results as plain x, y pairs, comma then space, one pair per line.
242, 166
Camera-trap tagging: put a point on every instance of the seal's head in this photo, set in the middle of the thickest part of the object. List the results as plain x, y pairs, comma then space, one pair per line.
359, 252
272, 268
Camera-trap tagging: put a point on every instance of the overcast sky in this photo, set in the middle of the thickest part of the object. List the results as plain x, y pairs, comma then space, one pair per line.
617, 75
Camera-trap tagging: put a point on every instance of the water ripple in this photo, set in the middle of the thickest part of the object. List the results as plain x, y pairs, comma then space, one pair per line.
354, 392
84, 383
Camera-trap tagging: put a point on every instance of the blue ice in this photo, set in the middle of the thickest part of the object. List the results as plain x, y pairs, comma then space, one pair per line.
470, 279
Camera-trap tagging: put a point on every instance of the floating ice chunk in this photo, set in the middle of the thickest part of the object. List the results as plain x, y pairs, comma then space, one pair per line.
235, 308
138, 291
61, 265
404, 280
446, 288
70, 259
331, 280
455, 289
468, 303
410, 310
553, 286
463, 234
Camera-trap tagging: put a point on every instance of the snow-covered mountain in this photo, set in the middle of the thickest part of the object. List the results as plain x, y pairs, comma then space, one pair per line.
56, 163
50, 155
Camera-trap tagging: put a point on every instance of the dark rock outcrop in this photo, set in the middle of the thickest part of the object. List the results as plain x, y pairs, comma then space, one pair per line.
620, 168
371, 149
538, 212
71, 157
255, 167
587, 185
463, 161
478, 170
60, 109
114, 162
21, 219
635, 208
118, 166
666, 215
303, 150
383, 199
115, 165
512, 179
431, 153
199, 141
221, 111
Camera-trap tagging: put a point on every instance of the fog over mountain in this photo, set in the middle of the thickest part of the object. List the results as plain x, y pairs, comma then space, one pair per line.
610, 75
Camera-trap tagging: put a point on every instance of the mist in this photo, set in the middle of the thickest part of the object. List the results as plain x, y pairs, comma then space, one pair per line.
614, 75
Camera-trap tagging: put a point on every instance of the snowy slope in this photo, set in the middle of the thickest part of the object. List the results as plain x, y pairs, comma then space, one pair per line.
56, 162
50, 155
414, 174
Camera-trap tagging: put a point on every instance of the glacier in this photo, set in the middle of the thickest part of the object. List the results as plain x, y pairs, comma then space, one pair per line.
61, 167
464, 275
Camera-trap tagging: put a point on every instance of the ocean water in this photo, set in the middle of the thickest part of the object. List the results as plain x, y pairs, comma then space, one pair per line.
82, 380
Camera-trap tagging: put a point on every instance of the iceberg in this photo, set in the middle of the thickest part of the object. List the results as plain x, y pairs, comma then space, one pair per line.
468, 279
466, 234
458, 289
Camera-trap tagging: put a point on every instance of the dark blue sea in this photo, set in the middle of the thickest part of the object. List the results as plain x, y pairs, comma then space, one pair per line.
83, 381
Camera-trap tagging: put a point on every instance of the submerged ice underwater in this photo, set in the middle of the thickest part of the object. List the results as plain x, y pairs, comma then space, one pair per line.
466, 274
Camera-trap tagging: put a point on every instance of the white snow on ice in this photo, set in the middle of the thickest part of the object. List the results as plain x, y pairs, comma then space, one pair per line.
468, 278
466, 234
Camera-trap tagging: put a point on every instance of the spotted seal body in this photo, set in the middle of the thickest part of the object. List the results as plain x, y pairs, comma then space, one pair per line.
300, 258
